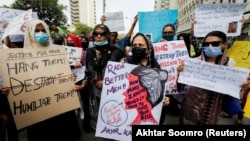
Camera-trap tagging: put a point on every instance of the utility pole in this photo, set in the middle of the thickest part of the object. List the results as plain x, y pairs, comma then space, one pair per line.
104, 5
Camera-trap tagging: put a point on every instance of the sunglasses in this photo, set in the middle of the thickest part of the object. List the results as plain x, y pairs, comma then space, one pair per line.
214, 44
168, 32
99, 33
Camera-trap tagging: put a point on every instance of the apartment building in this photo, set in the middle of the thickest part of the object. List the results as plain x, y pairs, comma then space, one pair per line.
83, 11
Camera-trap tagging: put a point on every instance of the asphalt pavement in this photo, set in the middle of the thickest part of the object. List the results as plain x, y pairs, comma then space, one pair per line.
169, 120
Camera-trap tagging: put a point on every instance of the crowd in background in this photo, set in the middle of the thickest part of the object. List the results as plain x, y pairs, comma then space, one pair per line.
196, 107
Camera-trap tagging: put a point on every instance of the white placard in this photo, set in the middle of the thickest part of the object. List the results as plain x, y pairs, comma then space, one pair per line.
223, 17
115, 21
218, 78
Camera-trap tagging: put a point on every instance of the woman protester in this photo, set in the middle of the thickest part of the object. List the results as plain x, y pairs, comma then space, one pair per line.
8, 130
201, 106
142, 53
63, 127
171, 108
97, 58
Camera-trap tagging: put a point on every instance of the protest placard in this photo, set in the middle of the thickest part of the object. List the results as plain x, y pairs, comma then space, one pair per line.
115, 21
151, 23
17, 25
224, 17
131, 95
7, 14
218, 78
74, 54
40, 82
170, 55
240, 53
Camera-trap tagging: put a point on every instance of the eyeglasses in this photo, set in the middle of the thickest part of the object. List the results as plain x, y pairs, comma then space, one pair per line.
99, 33
168, 32
214, 44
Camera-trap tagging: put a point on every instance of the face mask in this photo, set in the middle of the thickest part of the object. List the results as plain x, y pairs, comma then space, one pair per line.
168, 37
41, 37
139, 53
85, 45
103, 43
212, 51
71, 44
58, 42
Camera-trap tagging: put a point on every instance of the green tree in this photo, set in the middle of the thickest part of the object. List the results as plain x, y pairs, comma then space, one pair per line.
79, 28
47, 10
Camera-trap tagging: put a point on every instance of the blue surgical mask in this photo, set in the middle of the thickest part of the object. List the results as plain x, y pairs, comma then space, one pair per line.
103, 43
168, 37
41, 37
212, 51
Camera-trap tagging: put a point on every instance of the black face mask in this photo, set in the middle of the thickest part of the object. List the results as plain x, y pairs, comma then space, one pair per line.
58, 42
139, 53
85, 45
71, 44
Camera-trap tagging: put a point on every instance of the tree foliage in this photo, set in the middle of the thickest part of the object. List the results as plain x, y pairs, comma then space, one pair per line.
79, 28
47, 10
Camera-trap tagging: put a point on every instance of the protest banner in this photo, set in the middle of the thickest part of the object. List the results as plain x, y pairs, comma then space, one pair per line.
40, 82
218, 78
224, 17
131, 95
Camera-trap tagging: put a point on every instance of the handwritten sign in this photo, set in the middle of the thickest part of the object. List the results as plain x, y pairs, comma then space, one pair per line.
218, 78
40, 83
170, 55
7, 14
115, 21
127, 99
74, 54
240, 52
151, 23
223, 17
18, 24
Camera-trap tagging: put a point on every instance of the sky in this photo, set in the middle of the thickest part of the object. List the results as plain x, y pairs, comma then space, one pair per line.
129, 7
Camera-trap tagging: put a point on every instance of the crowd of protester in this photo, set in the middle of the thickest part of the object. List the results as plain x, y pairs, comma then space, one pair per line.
197, 106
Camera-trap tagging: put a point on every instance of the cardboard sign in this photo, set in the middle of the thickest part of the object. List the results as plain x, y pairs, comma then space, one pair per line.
40, 81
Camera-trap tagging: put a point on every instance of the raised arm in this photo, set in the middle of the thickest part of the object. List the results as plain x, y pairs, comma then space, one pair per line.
130, 32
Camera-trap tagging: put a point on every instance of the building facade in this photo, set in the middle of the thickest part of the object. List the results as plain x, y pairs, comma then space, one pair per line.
83, 11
